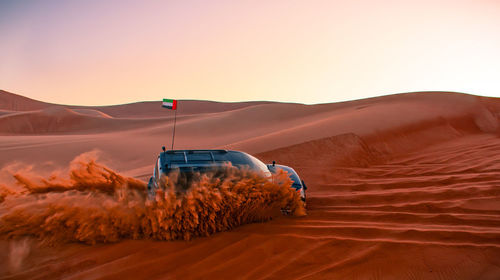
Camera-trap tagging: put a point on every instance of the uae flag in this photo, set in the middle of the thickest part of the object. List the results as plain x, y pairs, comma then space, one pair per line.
170, 104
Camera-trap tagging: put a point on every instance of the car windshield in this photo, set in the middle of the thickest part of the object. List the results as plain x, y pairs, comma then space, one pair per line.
241, 159
291, 173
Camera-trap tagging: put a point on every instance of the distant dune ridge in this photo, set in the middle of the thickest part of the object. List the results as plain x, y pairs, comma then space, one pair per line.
404, 186
13, 102
363, 117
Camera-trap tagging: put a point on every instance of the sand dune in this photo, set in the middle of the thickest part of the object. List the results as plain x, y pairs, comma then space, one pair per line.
91, 112
154, 109
400, 187
60, 120
13, 102
151, 109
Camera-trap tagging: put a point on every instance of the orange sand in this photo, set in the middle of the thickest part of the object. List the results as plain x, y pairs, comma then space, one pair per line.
400, 187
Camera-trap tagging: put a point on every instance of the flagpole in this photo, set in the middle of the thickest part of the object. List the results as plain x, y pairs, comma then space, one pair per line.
173, 134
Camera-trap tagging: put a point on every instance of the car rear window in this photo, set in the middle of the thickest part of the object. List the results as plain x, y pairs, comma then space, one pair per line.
206, 158
176, 157
198, 157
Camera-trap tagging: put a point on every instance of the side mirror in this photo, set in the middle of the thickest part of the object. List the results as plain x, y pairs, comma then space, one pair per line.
304, 185
163, 148
274, 163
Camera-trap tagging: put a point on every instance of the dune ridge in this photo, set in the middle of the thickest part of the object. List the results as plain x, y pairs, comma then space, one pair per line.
145, 109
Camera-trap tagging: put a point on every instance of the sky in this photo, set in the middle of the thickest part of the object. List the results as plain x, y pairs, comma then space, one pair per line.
92, 52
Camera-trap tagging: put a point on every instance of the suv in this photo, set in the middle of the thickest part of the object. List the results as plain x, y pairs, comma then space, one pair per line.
191, 162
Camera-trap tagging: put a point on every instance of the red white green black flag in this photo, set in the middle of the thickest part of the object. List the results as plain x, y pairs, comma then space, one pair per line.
170, 104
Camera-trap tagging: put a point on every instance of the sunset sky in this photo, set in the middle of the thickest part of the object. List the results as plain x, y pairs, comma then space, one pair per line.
112, 52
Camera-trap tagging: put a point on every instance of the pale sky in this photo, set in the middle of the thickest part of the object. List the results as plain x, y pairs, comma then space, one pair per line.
93, 52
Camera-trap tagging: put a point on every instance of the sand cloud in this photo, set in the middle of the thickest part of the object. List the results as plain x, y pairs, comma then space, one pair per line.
94, 204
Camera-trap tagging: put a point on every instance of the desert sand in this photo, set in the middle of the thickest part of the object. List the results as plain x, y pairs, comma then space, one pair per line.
403, 186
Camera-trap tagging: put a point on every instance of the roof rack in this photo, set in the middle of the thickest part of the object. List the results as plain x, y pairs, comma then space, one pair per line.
194, 151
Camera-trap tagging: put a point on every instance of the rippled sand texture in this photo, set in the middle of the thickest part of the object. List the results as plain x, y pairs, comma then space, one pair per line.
400, 187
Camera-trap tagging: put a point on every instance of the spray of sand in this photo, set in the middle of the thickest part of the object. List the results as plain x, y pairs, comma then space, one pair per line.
96, 204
